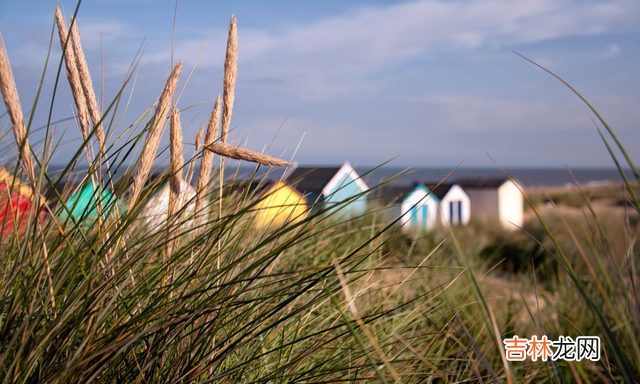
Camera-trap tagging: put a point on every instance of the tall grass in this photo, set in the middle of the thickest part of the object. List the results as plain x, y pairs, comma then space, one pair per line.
117, 300
321, 298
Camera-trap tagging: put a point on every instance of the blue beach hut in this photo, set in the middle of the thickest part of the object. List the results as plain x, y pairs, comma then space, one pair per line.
83, 204
415, 205
332, 187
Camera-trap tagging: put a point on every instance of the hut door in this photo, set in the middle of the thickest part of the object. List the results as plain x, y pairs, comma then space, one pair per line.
424, 217
455, 212
451, 214
414, 215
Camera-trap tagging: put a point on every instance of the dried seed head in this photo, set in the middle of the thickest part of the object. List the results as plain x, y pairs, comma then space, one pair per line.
87, 84
14, 109
72, 74
206, 162
177, 162
230, 75
239, 153
154, 134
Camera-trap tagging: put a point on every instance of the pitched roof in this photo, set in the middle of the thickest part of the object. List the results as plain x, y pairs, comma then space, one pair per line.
258, 187
483, 183
312, 179
15, 184
441, 190
390, 194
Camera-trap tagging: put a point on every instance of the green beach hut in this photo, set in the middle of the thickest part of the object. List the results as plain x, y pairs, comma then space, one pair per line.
83, 204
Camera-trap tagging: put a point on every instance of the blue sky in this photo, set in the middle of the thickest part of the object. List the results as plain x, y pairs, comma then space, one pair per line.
429, 83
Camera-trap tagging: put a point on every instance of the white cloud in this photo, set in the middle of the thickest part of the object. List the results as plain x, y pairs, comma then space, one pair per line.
464, 113
613, 50
334, 55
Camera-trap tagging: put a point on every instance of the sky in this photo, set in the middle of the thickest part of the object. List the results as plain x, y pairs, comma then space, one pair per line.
421, 83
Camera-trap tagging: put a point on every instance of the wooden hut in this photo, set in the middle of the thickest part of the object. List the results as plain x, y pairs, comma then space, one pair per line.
455, 204
16, 204
497, 199
278, 204
86, 201
156, 211
332, 187
415, 205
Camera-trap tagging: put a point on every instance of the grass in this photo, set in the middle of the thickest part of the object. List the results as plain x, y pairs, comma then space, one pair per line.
325, 298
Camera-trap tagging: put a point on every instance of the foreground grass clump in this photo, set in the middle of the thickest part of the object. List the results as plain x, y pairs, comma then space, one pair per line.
210, 297
113, 299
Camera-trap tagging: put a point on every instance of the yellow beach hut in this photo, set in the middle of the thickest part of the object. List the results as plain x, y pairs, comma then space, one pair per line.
278, 204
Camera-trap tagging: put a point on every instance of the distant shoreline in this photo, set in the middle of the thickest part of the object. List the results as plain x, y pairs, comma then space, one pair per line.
528, 177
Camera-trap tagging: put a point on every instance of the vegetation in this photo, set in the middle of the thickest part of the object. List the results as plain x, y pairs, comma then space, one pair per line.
319, 299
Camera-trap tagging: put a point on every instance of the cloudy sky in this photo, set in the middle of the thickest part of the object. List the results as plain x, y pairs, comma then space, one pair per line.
429, 83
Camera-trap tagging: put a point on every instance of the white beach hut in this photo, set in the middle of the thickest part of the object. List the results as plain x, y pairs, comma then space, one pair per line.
155, 214
455, 204
414, 206
419, 208
499, 199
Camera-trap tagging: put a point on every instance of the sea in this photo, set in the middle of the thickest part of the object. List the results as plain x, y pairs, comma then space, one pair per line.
528, 177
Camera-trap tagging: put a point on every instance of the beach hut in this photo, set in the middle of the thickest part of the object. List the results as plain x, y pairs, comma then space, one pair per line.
278, 203
155, 213
414, 204
455, 204
497, 199
86, 201
331, 187
16, 203
420, 208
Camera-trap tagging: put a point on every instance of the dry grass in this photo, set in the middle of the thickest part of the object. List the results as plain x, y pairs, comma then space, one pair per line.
12, 101
155, 133
87, 84
74, 77
230, 75
206, 162
177, 163
239, 153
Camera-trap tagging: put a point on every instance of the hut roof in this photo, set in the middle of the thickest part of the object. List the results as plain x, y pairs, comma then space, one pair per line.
312, 179
483, 182
440, 191
324, 180
15, 184
15, 204
391, 194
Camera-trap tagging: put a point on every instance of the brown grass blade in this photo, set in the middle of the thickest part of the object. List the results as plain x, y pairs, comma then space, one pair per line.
197, 144
206, 163
14, 109
177, 162
154, 134
239, 153
230, 75
87, 84
175, 185
72, 75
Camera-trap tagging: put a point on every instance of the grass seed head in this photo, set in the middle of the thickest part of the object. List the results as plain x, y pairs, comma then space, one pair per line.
154, 134
12, 102
87, 84
72, 74
206, 163
230, 75
239, 153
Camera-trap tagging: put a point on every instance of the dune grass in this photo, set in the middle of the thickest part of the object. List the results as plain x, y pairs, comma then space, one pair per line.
322, 298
